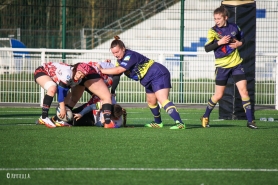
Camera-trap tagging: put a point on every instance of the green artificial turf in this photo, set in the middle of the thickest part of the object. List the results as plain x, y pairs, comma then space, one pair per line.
226, 153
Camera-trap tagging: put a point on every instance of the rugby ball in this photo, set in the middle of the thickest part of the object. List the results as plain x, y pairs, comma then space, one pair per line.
68, 117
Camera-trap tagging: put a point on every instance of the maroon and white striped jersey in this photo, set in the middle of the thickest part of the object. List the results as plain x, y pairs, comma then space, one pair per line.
61, 72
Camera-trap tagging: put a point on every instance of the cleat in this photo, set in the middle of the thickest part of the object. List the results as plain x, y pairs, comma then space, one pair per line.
60, 123
39, 121
47, 122
154, 125
110, 125
205, 122
178, 126
252, 125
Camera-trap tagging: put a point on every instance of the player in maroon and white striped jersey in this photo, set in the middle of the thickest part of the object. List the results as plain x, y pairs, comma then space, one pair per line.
58, 77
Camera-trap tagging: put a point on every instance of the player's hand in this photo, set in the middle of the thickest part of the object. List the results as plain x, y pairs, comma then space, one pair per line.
224, 40
62, 111
235, 44
77, 116
98, 66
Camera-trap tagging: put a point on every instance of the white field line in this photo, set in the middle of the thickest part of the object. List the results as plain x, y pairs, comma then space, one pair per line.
141, 169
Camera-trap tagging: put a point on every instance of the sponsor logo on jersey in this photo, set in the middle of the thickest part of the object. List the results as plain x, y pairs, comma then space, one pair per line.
123, 64
68, 77
233, 33
127, 58
60, 72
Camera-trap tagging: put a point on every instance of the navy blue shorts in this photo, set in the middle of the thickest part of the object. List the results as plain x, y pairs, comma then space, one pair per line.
222, 74
158, 77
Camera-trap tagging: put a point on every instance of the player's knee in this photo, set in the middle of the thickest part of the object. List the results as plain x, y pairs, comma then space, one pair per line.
106, 99
50, 87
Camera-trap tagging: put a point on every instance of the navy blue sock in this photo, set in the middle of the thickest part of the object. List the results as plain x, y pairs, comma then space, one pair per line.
156, 113
210, 107
171, 109
247, 108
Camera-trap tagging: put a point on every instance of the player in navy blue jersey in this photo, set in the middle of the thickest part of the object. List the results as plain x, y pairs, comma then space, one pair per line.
153, 76
224, 38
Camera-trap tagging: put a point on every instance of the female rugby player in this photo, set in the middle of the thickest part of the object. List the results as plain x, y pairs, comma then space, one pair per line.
58, 77
224, 38
152, 75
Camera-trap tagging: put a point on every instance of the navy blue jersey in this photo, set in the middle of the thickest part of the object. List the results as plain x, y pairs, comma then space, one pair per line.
136, 65
152, 75
225, 56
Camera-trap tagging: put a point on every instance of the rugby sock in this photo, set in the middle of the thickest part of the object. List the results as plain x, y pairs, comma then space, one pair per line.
247, 108
171, 109
156, 113
106, 108
46, 105
210, 107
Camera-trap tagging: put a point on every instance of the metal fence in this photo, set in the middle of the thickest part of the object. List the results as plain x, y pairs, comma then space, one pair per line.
89, 23
39, 23
195, 87
144, 25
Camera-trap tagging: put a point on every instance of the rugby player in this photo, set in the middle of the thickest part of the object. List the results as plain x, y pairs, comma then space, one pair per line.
224, 38
152, 75
58, 77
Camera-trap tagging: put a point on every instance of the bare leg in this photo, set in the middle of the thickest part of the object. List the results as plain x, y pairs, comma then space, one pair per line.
98, 87
76, 93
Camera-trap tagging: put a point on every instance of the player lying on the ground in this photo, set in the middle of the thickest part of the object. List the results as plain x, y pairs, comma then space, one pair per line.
94, 115
58, 77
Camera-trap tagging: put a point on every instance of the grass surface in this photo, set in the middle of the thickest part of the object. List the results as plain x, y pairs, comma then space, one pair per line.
226, 153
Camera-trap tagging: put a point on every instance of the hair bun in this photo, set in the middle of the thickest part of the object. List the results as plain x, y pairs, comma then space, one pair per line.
116, 37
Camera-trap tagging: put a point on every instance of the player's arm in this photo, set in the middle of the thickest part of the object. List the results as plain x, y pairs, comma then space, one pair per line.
113, 71
238, 41
214, 40
86, 110
211, 46
62, 92
116, 80
235, 44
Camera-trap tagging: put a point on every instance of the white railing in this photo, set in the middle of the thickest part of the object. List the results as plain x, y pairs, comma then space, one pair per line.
192, 78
